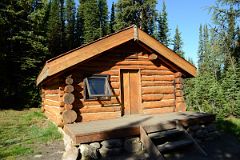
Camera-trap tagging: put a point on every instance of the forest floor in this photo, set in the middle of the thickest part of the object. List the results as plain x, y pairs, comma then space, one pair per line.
27, 134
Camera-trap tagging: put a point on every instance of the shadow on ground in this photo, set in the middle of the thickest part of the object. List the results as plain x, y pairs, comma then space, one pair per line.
224, 147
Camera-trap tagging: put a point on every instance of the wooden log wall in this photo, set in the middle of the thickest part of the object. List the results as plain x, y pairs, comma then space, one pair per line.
52, 102
180, 103
157, 85
161, 88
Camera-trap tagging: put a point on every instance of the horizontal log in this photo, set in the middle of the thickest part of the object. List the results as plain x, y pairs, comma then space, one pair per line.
114, 79
157, 83
178, 75
179, 93
156, 72
54, 109
86, 117
113, 100
116, 92
150, 67
54, 97
178, 80
115, 85
152, 97
157, 97
143, 57
181, 107
99, 109
53, 91
99, 105
158, 78
159, 110
50, 115
158, 90
134, 63
54, 118
107, 65
179, 99
111, 72
50, 102
179, 86
159, 104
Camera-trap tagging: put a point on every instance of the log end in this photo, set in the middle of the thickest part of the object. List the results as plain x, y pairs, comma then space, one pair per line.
152, 57
69, 116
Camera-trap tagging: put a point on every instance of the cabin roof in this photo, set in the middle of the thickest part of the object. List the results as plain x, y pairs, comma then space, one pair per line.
78, 55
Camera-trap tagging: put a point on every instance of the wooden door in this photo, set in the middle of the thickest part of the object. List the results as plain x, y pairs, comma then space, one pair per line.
130, 91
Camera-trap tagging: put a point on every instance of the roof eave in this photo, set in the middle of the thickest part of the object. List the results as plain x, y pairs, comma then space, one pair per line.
167, 53
43, 74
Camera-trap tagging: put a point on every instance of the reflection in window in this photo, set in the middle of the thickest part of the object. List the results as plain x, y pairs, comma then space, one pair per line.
97, 87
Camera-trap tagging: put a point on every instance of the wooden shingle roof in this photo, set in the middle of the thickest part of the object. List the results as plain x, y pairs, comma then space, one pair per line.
85, 52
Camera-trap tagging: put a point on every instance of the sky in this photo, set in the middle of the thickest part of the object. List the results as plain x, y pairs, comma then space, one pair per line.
188, 15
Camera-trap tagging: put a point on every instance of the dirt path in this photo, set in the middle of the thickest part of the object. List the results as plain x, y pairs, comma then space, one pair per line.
224, 147
49, 151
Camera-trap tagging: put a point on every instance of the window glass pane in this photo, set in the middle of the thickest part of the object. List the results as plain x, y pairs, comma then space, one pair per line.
97, 85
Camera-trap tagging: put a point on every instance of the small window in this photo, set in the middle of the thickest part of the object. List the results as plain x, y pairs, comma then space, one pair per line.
97, 87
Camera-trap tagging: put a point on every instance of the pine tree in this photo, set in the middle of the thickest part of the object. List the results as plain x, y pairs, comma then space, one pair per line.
70, 24
91, 19
62, 31
23, 52
200, 48
54, 29
79, 40
205, 38
178, 43
216, 88
163, 30
103, 17
112, 19
140, 13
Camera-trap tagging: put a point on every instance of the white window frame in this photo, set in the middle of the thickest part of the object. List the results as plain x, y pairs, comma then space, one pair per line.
107, 89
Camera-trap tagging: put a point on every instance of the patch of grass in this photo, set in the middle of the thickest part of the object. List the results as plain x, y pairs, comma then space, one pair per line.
230, 125
22, 131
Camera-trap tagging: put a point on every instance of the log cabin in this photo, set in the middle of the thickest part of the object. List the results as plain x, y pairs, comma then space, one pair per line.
122, 74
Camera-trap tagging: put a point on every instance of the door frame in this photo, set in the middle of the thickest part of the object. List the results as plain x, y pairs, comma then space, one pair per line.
121, 89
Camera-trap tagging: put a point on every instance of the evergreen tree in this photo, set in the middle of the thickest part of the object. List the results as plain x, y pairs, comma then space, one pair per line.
163, 30
23, 52
216, 88
70, 24
91, 29
103, 17
112, 19
177, 43
55, 29
79, 25
200, 48
140, 13
237, 46
62, 31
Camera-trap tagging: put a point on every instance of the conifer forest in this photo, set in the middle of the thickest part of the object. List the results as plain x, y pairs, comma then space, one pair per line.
33, 31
